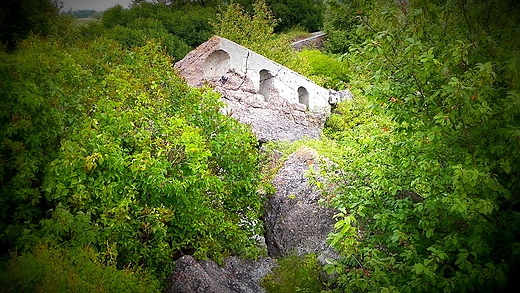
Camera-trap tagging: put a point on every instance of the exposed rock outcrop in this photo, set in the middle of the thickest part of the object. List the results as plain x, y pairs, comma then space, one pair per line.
295, 222
236, 276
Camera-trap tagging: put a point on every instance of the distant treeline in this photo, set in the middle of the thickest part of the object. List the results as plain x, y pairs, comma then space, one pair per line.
85, 13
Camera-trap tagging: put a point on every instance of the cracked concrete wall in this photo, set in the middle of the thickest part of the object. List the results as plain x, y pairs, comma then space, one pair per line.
218, 56
288, 83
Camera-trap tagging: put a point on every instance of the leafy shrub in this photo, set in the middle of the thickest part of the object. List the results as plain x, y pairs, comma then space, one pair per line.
21, 18
429, 197
140, 30
115, 16
179, 28
295, 274
307, 14
256, 32
109, 148
49, 269
340, 23
327, 70
190, 23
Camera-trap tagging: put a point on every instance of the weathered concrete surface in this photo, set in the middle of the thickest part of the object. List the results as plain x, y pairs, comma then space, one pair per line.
272, 120
278, 103
313, 42
295, 222
339, 96
236, 276
214, 58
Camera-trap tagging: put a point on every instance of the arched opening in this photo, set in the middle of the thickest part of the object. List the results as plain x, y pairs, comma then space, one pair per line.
266, 84
303, 96
216, 64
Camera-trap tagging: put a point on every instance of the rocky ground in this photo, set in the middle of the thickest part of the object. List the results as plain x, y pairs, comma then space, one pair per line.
294, 221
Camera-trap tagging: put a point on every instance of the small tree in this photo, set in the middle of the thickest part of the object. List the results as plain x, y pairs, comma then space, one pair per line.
256, 32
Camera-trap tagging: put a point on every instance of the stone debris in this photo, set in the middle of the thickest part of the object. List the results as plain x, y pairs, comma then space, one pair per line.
295, 222
272, 120
205, 276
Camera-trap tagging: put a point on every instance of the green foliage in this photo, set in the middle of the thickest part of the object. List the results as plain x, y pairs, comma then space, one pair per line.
237, 25
326, 70
307, 14
140, 30
340, 23
108, 148
256, 32
20, 18
83, 13
176, 3
429, 190
115, 16
190, 23
179, 28
297, 33
48, 269
36, 111
295, 274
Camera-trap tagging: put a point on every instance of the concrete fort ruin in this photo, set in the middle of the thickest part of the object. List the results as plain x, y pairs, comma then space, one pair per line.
273, 99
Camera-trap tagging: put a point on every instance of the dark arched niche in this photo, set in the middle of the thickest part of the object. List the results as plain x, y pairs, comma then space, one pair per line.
303, 96
216, 64
266, 83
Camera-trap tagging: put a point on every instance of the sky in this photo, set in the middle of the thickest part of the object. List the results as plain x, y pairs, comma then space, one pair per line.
98, 5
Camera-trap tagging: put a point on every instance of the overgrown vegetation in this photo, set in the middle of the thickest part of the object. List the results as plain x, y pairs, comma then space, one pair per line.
77, 269
111, 167
295, 274
256, 32
306, 14
89, 13
106, 147
179, 28
430, 194
20, 18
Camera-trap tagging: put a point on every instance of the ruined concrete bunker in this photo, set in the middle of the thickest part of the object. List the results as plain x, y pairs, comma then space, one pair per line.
220, 56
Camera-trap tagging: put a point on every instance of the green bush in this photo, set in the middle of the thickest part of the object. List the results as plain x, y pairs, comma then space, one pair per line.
115, 16
179, 28
140, 30
109, 148
295, 274
20, 18
340, 23
190, 23
326, 70
49, 269
256, 32
304, 13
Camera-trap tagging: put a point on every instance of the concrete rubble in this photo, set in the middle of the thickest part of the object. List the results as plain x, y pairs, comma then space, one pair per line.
278, 103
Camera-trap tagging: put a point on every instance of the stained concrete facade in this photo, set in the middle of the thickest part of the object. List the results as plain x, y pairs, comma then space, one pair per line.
220, 56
